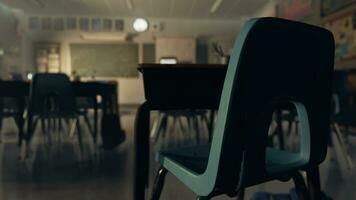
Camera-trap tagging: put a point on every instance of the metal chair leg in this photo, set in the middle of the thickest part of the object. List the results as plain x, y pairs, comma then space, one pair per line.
156, 125
79, 138
158, 184
161, 128
343, 146
301, 188
241, 194
183, 129
72, 128
87, 121
196, 127
313, 178
31, 127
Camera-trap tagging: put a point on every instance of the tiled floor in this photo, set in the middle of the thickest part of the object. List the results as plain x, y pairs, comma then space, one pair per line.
56, 175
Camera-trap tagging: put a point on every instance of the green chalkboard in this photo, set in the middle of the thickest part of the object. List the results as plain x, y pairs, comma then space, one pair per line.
109, 60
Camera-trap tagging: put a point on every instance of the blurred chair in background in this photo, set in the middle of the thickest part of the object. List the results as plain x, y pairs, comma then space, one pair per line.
51, 101
343, 118
183, 123
12, 104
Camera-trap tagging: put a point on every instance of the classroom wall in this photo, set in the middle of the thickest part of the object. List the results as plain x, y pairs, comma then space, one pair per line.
319, 20
131, 89
10, 42
182, 48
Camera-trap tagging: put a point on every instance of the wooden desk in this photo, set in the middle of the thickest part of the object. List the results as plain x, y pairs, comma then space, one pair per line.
171, 87
20, 91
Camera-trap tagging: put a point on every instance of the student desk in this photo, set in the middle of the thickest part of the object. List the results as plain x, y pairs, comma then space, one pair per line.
171, 87
20, 90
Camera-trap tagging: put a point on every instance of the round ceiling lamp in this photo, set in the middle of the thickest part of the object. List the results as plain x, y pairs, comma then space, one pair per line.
140, 25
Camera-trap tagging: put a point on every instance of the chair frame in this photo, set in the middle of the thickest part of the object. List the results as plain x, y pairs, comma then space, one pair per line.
228, 173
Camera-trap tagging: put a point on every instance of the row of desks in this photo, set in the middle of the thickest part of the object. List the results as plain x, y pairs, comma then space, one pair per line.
20, 90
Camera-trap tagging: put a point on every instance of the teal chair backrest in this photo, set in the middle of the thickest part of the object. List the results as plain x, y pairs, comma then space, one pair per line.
274, 62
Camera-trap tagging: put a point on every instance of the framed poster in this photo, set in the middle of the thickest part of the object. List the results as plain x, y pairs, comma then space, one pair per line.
295, 9
58, 24
34, 23
344, 31
96, 24
119, 25
84, 24
71, 23
46, 23
107, 24
331, 6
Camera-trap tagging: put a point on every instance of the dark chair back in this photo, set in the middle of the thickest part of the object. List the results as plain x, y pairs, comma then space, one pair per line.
274, 62
13, 97
51, 95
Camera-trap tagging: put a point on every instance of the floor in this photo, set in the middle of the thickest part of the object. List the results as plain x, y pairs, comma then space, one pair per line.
54, 173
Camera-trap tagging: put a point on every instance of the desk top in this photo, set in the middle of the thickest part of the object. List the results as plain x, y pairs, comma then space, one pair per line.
183, 84
149, 66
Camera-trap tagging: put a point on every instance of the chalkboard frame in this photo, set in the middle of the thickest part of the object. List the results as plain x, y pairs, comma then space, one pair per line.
131, 70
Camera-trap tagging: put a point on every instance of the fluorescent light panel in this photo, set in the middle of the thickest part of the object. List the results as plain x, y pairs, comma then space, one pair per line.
215, 6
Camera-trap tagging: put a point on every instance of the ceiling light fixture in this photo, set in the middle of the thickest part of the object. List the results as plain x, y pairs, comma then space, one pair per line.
140, 25
215, 6
129, 4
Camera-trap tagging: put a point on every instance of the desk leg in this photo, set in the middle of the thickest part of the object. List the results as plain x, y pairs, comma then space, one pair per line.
20, 126
21, 121
95, 132
142, 151
314, 187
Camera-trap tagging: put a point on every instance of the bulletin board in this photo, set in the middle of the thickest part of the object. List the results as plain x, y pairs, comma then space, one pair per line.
344, 31
105, 60
294, 9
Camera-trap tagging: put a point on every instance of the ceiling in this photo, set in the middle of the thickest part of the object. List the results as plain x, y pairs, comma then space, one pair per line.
191, 9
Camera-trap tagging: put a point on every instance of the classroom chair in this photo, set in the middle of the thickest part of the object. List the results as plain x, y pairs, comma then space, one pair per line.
52, 100
273, 62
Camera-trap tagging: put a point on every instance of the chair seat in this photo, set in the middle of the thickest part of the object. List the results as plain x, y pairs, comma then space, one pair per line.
280, 161
194, 158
